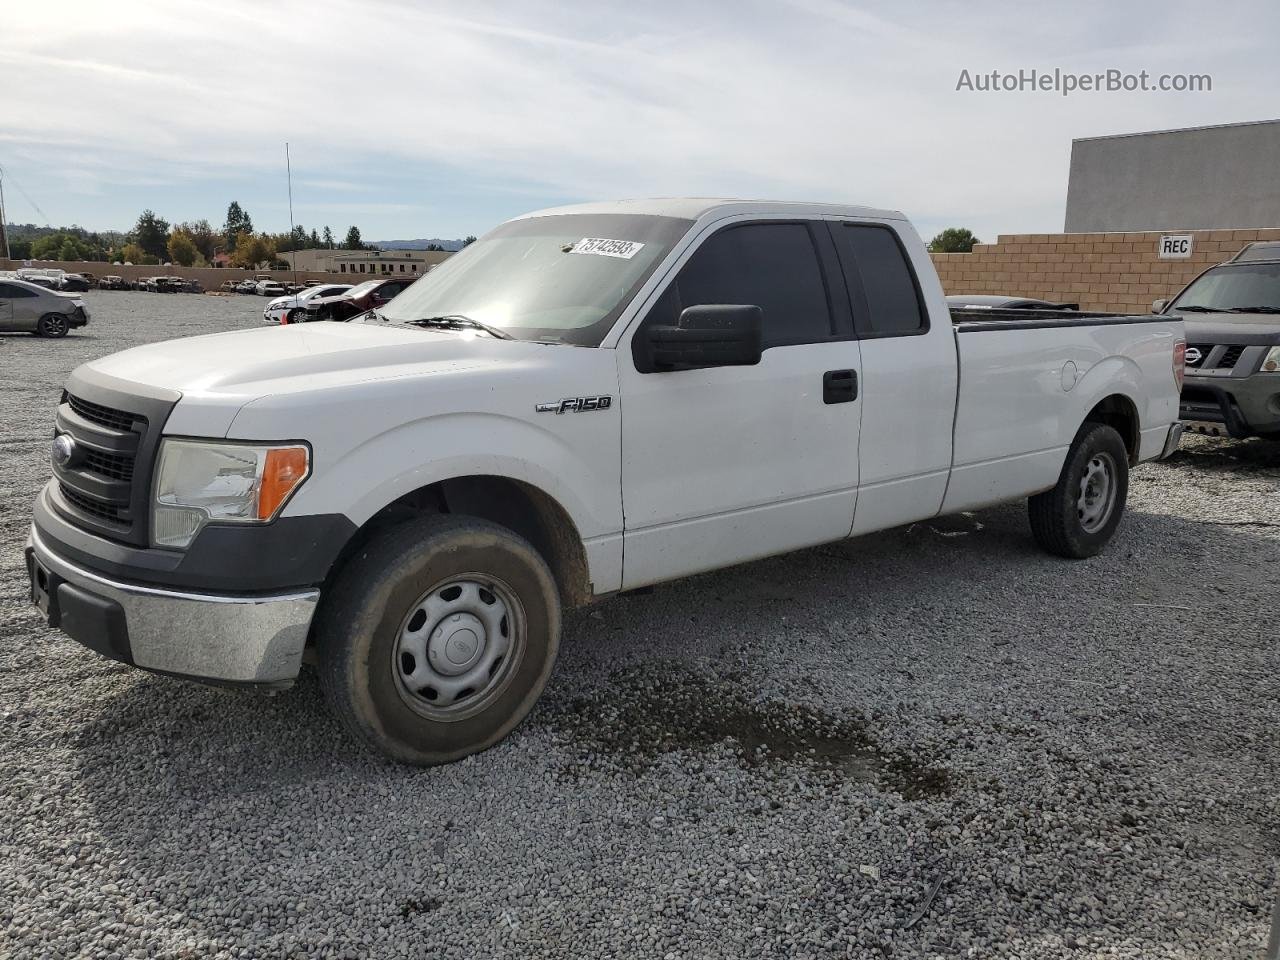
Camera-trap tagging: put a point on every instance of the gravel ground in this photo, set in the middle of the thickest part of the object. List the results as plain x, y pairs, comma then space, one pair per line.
933, 742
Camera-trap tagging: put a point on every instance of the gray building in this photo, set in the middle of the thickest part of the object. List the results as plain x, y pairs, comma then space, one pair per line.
1200, 178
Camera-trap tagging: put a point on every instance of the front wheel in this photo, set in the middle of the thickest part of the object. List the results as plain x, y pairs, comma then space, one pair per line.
52, 325
438, 637
1078, 517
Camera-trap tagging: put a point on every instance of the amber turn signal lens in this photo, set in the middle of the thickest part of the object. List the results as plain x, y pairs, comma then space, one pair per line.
286, 467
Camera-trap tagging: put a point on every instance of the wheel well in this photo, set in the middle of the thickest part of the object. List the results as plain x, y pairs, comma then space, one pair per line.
518, 506
1117, 411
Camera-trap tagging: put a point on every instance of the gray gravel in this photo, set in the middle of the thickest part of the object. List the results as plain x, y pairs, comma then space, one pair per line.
784, 759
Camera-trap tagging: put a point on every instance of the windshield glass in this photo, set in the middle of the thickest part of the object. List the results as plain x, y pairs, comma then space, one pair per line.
1233, 287
558, 278
357, 290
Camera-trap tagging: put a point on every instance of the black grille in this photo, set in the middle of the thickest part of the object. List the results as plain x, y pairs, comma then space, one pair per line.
1230, 357
116, 466
93, 506
1204, 349
103, 416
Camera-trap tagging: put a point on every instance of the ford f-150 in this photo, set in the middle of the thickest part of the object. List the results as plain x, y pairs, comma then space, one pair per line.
588, 400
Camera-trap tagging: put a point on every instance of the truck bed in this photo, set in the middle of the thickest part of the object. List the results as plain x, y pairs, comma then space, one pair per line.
970, 319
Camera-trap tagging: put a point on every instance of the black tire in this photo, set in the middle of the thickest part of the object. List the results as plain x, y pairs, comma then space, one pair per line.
53, 326
291, 316
379, 594
1063, 520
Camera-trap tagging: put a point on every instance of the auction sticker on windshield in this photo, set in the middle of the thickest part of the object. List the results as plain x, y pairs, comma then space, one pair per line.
621, 249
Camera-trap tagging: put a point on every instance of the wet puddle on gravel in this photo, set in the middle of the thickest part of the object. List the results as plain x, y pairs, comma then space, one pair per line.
642, 715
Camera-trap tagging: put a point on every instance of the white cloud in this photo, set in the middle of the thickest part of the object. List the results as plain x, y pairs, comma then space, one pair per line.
812, 99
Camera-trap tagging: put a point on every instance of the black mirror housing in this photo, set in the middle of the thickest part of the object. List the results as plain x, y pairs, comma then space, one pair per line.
708, 335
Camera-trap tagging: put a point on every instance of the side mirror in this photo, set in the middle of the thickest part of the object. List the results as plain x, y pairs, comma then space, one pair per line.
710, 335
1157, 306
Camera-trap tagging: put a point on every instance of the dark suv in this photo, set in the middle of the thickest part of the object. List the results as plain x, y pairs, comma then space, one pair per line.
366, 296
1232, 316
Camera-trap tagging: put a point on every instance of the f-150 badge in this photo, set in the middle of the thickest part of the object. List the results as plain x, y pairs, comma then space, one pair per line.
575, 405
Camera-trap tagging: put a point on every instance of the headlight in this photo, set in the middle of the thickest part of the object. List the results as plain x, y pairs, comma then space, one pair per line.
199, 482
1271, 362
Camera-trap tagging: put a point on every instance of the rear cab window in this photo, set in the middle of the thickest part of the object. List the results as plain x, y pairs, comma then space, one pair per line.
883, 288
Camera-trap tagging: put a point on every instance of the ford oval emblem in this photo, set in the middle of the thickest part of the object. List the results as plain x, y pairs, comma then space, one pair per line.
64, 450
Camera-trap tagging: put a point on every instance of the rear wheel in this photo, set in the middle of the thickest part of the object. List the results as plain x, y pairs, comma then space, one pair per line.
52, 325
1078, 517
438, 637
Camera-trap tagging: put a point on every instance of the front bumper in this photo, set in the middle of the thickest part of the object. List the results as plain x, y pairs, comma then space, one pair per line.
1245, 406
245, 639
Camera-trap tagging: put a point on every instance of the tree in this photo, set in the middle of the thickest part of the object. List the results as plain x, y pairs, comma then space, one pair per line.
202, 235
20, 249
328, 238
314, 239
238, 222
132, 253
182, 248
353, 241
151, 233
251, 250
953, 240
469, 241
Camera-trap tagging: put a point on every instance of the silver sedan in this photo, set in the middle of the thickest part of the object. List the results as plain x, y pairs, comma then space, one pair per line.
30, 308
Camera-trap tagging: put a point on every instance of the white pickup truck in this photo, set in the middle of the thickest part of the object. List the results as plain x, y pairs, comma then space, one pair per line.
587, 400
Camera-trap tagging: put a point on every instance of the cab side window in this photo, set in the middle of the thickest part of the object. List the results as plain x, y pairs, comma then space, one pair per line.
886, 297
774, 266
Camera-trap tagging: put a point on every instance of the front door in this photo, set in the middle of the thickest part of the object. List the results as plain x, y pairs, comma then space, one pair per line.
727, 464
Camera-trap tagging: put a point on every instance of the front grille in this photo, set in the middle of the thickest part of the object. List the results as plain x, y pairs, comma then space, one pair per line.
1230, 357
99, 509
1203, 348
103, 416
115, 466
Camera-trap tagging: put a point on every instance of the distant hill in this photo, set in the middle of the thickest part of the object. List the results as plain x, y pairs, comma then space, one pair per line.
415, 244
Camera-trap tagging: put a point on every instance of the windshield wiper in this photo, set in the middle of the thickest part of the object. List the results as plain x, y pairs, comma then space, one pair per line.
455, 320
1254, 310
1195, 309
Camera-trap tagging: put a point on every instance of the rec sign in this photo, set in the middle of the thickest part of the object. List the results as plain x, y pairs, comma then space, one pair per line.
1175, 247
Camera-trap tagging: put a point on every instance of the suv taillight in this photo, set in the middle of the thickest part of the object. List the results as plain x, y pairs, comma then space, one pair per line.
1179, 362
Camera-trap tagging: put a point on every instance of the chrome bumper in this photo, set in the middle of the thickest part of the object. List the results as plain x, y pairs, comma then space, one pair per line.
1172, 441
230, 639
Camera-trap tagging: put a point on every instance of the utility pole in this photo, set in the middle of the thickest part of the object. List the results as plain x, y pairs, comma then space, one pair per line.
4, 232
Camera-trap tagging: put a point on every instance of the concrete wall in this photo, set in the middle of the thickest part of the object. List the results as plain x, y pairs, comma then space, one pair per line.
1205, 178
210, 277
1115, 272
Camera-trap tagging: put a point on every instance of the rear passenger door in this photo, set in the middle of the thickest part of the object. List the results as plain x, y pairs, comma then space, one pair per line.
727, 464
910, 371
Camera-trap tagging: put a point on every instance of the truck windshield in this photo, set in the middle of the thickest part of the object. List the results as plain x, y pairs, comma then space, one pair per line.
1239, 287
562, 278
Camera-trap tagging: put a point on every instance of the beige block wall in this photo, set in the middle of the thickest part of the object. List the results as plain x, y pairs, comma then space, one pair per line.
210, 277
1114, 272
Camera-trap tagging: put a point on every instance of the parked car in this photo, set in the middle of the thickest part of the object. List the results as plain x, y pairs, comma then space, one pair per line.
362, 297
441, 478
228, 286
111, 282
90, 279
247, 286
1232, 316
287, 309
73, 283
269, 288
40, 280
989, 302
27, 307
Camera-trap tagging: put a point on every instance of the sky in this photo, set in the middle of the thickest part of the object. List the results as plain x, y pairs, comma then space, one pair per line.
422, 119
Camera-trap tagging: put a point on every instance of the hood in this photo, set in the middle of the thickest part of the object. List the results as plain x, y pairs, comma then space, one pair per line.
247, 364
1231, 328
287, 301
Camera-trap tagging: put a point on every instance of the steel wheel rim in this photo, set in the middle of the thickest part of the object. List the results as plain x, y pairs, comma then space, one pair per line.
458, 647
1097, 498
